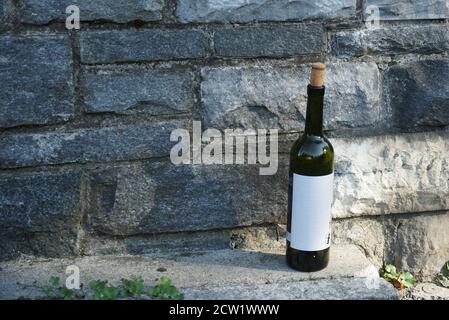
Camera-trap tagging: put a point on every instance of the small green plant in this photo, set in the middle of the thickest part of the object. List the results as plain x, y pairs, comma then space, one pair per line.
54, 290
66, 294
52, 286
165, 290
133, 287
400, 280
104, 291
443, 276
407, 280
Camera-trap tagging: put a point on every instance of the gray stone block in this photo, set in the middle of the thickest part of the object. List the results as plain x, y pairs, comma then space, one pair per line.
391, 174
408, 9
36, 75
417, 92
258, 238
39, 214
421, 245
157, 92
369, 233
267, 96
158, 197
6, 15
269, 10
392, 40
2, 14
142, 45
270, 41
121, 11
157, 243
415, 242
87, 145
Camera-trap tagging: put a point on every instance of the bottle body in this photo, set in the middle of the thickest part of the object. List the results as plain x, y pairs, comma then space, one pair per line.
310, 192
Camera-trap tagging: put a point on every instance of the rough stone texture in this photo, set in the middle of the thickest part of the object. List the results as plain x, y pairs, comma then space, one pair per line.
264, 96
427, 291
409, 9
3, 24
376, 236
392, 40
206, 269
415, 242
46, 11
163, 243
270, 41
266, 10
421, 244
157, 197
377, 175
39, 214
258, 238
391, 174
370, 234
157, 92
418, 93
87, 145
34, 89
374, 176
247, 68
111, 46
6, 15
328, 289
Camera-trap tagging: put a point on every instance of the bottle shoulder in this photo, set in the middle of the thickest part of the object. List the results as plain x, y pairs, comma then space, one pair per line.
310, 144
312, 155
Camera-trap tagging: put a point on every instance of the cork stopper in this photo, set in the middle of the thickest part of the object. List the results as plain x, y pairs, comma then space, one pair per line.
318, 73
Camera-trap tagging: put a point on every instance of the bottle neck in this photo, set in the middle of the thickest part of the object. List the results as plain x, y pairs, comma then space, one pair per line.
314, 116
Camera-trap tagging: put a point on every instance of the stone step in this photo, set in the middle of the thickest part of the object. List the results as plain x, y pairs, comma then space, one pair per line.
219, 274
426, 291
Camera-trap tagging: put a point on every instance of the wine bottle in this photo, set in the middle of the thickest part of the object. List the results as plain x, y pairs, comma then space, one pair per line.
311, 186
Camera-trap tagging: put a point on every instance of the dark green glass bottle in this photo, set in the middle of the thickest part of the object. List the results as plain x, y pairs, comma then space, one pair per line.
311, 186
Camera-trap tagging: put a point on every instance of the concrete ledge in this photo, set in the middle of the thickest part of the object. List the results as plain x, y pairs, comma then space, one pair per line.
427, 291
221, 274
324, 289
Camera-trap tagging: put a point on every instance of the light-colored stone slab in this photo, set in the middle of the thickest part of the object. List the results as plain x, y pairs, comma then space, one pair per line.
391, 174
427, 291
201, 270
265, 96
325, 289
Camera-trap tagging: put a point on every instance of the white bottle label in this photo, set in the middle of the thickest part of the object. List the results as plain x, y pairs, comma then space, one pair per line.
311, 212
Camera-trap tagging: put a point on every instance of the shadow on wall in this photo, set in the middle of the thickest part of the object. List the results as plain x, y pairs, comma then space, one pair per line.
418, 93
157, 197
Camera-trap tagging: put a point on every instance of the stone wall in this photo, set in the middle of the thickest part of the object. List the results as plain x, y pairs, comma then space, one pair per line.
86, 117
